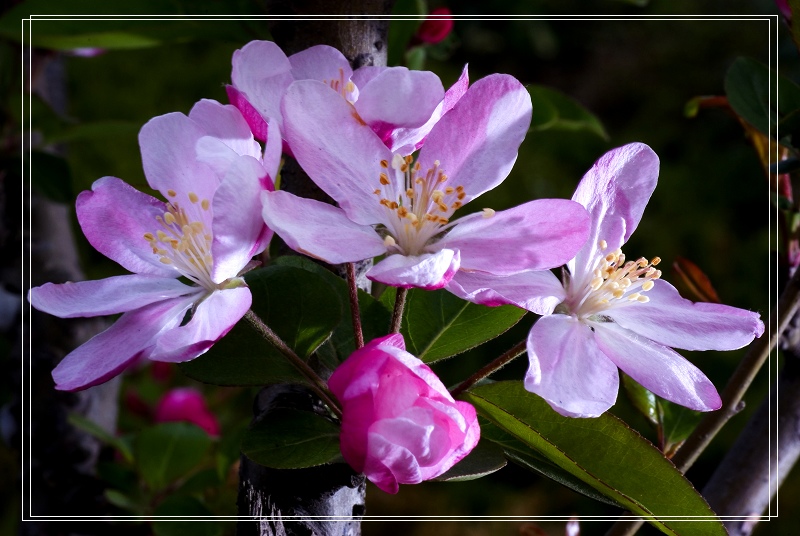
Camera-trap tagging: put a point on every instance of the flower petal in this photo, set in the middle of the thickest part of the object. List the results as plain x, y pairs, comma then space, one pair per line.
658, 368
318, 229
323, 63
615, 191
114, 216
108, 353
477, 141
537, 235
407, 140
169, 157
262, 72
674, 321
537, 291
238, 228
568, 369
429, 271
398, 97
105, 296
225, 123
337, 149
258, 125
387, 463
214, 317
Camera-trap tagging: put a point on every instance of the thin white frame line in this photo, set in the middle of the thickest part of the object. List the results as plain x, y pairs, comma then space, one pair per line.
211, 18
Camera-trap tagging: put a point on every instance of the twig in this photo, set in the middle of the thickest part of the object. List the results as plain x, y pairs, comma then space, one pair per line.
317, 384
517, 350
354, 311
397, 314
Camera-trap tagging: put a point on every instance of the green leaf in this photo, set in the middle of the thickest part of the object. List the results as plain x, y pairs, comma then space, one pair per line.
97, 431
169, 451
485, 459
437, 324
122, 501
375, 317
643, 400
555, 110
292, 439
51, 176
676, 423
602, 452
401, 31
300, 306
184, 506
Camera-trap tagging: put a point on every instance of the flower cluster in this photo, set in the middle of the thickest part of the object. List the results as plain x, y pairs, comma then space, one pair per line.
402, 158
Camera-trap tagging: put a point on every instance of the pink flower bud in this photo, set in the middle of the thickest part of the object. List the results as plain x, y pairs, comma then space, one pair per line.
399, 424
434, 29
186, 404
783, 7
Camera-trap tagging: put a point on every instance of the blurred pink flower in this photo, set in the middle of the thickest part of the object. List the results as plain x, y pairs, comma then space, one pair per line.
186, 405
436, 27
399, 424
783, 6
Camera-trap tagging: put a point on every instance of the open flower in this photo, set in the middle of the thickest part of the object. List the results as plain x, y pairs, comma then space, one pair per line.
610, 312
399, 104
399, 423
211, 172
391, 205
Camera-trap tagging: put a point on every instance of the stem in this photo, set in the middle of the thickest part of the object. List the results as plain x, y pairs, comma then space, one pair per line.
317, 384
517, 350
758, 352
351, 283
397, 314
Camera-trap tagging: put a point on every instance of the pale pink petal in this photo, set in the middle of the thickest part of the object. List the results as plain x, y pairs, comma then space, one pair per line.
388, 464
225, 123
398, 97
273, 152
214, 317
536, 235
337, 149
674, 321
318, 229
615, 191
429, 271
105, 296
476, 142
169, 158
568, 369
407, 140
262, 72
108, 353
323, 63
258, 125
115, 216
656, 367
537, 291
238, 228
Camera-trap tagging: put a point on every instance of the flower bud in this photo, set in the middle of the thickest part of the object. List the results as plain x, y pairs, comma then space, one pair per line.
188, 405
399, 423
435, 29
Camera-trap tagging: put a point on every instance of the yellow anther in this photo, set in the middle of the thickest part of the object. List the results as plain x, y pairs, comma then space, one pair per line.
197, 226
205, 203
642, 262
603, 244
461, 195
442, 177
436, 163
169, 218
402, 212
618, 293
149, 237
409, 159
165, 260
657, 274
643, 299
171, 193
443, 220
437, 196
162, 236
459, 189
393, 205
633, 297
610, 257
413, 217
350, 87
410, 193
384, 179
442, 207
389, 242
647, 286
193, 197
488, 213
596, 282
655, 261
384, 164
377, 191
625, 282
449, 190
456, 205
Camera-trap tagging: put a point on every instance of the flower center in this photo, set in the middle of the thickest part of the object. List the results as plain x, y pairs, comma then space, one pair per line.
420, 207
183, 243
614, 282
342, 87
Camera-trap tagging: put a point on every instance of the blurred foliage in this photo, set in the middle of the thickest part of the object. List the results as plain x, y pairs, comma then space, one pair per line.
632, 79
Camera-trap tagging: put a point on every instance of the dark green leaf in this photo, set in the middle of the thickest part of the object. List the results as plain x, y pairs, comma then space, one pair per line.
97, 431
676, 422
602, 452
642, 399
437, 324
292, 439
300, 306
204, 480
401, 31
51, 176
184, 506
555, 110
169, 451
122, 501
484, 460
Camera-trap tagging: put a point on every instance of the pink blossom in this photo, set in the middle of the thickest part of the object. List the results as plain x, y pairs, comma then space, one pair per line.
436, 27
211, 171
392, 206
609, 313
399, 424
186, 405
400, 105
784, 8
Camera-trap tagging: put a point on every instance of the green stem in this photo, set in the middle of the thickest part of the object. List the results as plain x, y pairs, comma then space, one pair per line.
317, 384
517, 350
397, 314
354, 311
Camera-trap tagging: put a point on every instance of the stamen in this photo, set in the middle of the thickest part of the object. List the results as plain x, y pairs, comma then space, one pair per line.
488, 213
193, 197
